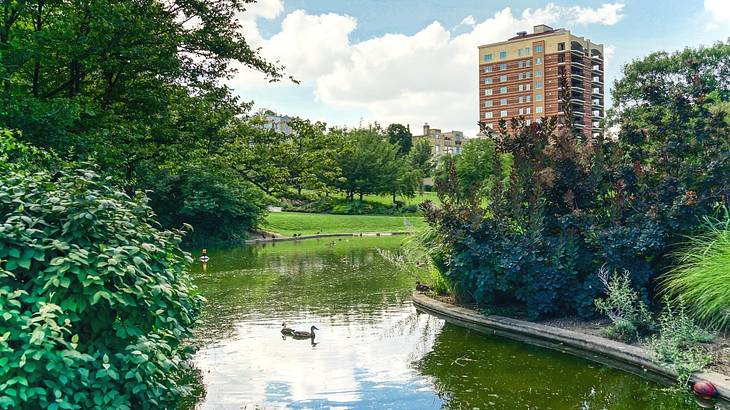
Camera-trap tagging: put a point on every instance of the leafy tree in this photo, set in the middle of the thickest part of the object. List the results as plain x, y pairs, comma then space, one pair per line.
400, 136
421, 157
95, 299
368, 163
132, 86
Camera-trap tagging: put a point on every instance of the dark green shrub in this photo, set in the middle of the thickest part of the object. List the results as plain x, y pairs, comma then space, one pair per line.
559, 204
95, 299
220, 208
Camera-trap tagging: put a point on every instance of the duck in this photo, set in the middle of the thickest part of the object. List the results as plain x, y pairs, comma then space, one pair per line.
421, 287
301, 334
286, 330
204, 257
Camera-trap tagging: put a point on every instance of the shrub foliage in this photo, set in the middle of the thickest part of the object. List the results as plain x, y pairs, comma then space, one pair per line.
561, 204
95, 299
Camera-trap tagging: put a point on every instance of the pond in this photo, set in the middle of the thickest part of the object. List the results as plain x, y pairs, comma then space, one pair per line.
373, 350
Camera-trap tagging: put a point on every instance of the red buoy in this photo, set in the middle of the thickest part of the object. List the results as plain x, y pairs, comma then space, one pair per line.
704, 388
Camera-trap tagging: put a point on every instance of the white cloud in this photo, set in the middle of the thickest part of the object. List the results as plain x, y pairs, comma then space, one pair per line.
719, 10
608, 14
468, 21
430, 76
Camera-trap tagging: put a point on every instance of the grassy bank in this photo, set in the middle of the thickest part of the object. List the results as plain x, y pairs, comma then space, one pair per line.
290, 223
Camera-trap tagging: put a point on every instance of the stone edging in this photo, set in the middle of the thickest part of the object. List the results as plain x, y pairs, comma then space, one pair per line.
322, 235
630, 358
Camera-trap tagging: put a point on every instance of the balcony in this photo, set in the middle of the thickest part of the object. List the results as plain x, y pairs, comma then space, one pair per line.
597, 103
596, 80
596, 91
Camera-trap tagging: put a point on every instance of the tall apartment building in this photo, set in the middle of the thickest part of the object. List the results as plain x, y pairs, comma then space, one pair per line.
521, 77
441, 142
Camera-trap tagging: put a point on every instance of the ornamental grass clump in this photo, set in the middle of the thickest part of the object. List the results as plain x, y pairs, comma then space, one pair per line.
630, 318
701, 278
95, 299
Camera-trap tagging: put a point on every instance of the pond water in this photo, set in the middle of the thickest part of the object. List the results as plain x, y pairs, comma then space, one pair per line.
373, 350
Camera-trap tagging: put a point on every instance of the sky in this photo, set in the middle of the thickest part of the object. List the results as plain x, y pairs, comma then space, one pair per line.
411, 62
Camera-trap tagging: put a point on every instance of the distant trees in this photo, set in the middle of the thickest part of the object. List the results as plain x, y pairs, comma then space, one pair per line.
421, 157
400, 136
370, 164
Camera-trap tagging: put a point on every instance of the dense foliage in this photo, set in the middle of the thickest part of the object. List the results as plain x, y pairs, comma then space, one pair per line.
95, 298
572, 204
134, 87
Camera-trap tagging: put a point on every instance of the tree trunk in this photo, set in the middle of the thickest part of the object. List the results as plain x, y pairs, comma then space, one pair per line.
360, 196
37, 65
394, 197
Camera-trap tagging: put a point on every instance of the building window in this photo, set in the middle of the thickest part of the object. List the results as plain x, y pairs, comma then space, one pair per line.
502, 101
487, 57
503, 66
521, 99
538, 110
527, 74
538, 61
561, 46
488, 103
520, 76
488, 91
538, 97
503, 113
538, 49
519, 52
527, 63
528, 122
528, 110
502, 55
502, 78
521, 111
529, 98
488, 80
524, 87
503, 90
527, 51
488, 69
488, 114
490, 126
538, 84
538, 73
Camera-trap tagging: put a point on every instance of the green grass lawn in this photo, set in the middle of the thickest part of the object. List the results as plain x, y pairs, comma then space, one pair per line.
289, 223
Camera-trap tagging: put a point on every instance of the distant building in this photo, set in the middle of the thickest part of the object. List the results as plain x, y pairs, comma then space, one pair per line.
441, 142
275, 121
521, 77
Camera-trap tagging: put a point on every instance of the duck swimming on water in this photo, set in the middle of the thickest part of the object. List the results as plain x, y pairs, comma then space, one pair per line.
300, 334
286, 330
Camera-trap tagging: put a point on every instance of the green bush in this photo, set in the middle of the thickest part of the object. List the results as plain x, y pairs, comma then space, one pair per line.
95, 299
629, 315
678, 344
702, 277
220, 208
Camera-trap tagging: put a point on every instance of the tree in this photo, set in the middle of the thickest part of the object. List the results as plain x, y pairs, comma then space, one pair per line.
401, 137
421, 157
133, 86
369, 164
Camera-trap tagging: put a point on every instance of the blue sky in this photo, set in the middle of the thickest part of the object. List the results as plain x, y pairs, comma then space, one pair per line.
416, 61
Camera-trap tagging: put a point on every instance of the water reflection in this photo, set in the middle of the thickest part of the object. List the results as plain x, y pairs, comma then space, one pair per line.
373, 350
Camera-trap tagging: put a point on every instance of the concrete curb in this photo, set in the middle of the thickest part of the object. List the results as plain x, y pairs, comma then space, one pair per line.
629, 358
322, 235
